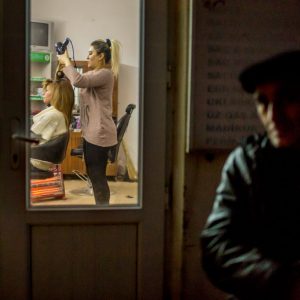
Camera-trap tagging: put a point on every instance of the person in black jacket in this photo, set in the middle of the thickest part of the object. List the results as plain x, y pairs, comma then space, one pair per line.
251, 240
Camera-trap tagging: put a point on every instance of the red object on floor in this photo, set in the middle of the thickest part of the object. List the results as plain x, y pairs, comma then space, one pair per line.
49, 188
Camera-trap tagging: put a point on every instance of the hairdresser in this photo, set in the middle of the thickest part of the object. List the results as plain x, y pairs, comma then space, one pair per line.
98, 128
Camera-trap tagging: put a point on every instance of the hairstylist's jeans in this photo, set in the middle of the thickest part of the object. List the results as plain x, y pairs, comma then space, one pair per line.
96, 160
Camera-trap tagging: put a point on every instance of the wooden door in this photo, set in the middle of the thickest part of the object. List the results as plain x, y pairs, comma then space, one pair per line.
80, 253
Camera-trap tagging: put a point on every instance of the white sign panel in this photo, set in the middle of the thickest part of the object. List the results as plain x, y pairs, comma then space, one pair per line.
229, 35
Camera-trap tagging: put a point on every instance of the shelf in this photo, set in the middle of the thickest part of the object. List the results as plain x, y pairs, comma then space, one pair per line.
40, 70
37, 79
42, 57
36, 98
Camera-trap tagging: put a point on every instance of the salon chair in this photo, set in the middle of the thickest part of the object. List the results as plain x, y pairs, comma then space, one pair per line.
53, 151
122, 125
49, 184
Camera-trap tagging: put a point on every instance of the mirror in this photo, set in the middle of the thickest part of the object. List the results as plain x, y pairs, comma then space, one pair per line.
64, 180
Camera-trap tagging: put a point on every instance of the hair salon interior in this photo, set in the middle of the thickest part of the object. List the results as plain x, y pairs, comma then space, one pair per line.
52, 25
146, 244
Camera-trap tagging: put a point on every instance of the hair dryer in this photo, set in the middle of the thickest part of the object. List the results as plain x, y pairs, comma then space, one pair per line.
61, 47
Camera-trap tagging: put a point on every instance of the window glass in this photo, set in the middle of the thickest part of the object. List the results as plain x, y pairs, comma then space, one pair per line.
87, 137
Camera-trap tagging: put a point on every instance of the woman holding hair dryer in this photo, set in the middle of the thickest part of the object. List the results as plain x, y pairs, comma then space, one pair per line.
98, 127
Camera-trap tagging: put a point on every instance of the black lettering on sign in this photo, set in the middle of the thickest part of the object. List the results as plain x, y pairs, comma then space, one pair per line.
213, 114
216, 101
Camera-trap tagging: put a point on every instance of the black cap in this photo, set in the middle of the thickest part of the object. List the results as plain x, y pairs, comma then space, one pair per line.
281, 67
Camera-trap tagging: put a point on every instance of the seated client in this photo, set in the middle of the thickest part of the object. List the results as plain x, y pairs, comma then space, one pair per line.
52, 122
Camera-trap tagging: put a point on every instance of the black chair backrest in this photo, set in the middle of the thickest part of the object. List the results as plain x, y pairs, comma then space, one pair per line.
121, 128
53, 151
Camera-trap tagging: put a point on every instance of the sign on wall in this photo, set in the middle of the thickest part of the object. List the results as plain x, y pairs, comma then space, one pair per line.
229, 35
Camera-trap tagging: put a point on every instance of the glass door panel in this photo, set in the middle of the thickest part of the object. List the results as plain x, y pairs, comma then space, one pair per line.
65, 181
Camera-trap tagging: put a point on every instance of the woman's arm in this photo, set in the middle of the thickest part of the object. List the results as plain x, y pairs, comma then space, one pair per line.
88, 79
64, 59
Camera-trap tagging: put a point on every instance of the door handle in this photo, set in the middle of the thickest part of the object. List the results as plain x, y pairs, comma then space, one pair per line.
25, 139
16, 138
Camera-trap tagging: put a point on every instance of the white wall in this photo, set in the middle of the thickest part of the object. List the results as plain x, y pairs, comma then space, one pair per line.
86, 21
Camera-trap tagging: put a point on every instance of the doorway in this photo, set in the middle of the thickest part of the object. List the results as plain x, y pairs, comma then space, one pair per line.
64, 253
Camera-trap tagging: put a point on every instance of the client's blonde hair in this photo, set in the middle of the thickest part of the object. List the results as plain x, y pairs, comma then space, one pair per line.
62, 97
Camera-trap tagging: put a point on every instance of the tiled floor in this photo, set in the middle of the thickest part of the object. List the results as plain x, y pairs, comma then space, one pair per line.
77, 193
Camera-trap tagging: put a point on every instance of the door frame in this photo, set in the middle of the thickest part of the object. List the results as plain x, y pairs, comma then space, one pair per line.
16, 221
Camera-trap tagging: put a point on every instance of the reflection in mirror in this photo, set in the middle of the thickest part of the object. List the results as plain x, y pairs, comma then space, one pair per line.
84, 102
